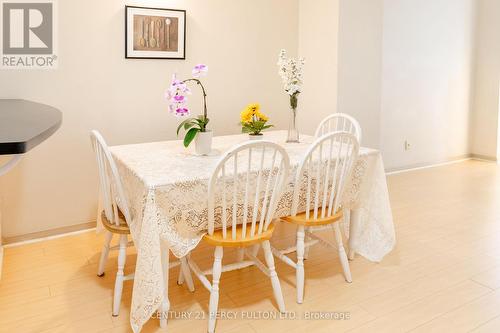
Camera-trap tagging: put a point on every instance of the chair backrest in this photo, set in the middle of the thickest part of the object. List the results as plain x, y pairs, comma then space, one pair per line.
246, 186
339, 122
323, 173
109, 180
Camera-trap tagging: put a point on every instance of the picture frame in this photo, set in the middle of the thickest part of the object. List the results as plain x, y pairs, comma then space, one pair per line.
155, 33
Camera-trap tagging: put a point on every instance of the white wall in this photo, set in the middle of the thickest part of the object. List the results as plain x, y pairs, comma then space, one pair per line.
360, 65
487, 80
405, 72
426, 80
318, 36
95, 87
402, 67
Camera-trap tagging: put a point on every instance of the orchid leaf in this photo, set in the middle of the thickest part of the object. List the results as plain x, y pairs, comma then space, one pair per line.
190, 135
202, 121
182, 124
188, 125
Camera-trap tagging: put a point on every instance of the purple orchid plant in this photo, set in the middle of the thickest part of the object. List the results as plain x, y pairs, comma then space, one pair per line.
176, 95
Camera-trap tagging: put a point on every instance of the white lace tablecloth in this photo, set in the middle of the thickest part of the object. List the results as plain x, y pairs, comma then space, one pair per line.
166, 187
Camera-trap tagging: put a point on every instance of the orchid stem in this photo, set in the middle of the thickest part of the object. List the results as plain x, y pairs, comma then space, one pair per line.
205, 113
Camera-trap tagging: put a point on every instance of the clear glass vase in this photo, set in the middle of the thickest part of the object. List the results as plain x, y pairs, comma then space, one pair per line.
293, 133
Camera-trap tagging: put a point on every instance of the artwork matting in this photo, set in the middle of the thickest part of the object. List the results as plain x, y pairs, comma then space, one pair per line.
155, 33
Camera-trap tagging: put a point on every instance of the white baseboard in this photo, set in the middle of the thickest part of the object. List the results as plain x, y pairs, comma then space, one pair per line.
474, 157
484, 158
427, 166
49, 234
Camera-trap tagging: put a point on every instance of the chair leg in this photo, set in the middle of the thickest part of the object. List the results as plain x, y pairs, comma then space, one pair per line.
104, 253
186, 273
278, 295
342, 254
300, 264
306, 249
180, 277
353, 221
241, 254
122, 256
255, 250
214, 293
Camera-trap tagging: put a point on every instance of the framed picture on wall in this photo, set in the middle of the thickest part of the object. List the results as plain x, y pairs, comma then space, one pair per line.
155, 33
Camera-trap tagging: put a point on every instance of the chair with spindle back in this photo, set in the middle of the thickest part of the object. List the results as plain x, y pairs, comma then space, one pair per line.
242, 196
339, 122
317, 198
115, 219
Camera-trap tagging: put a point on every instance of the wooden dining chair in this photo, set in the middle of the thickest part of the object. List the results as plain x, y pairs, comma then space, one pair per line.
317, 199
115, 219
339, 122
242, 196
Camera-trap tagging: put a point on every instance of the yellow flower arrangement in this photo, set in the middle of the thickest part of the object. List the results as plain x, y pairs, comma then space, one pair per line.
248, 113
252, 120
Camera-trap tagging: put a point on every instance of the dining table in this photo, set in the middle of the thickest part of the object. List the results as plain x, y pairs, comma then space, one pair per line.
166, 188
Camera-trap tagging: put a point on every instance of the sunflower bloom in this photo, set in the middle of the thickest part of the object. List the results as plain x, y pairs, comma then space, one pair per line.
246, 116
253, 108
252, 120
261, 116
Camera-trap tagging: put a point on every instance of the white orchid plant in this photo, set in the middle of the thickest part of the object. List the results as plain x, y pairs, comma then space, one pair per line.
291, 72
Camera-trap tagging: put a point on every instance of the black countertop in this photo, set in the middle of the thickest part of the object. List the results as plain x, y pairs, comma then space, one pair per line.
25, 124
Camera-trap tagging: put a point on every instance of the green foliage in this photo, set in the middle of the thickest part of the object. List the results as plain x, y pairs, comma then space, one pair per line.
192, 126
294, 100
254, 127
202, 122
190, 135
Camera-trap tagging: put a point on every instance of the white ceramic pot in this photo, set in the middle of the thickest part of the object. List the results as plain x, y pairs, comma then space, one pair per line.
253, 137
203, 143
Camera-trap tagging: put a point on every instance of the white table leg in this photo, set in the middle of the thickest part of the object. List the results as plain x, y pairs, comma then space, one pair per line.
10, 164
3, 170
353, 225
165, 306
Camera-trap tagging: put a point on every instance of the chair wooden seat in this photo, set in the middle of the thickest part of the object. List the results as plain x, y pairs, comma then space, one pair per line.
300, 219
217, 240
122, 229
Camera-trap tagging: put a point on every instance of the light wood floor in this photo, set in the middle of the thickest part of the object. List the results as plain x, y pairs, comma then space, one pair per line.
443, 276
